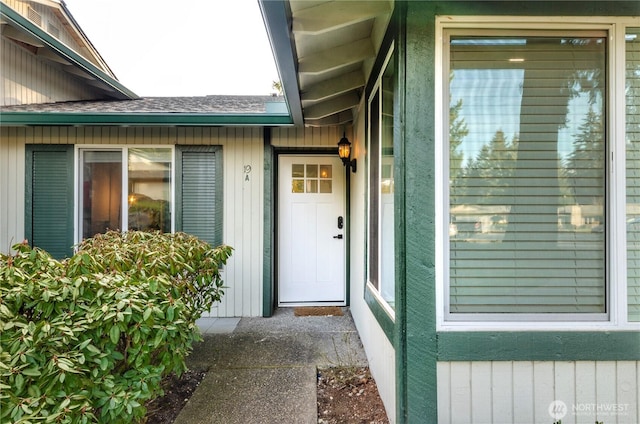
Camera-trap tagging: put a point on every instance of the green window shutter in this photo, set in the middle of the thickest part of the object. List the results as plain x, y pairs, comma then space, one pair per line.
633, 173
49, 198
199, 192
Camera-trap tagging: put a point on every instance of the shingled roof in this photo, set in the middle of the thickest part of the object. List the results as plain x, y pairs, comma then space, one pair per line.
218, 104
216, 110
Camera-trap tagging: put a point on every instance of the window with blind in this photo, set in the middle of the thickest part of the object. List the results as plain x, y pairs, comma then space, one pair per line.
527, 173
632, 143
199, 192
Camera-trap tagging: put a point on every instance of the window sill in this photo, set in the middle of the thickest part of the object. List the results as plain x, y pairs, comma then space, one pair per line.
385, 316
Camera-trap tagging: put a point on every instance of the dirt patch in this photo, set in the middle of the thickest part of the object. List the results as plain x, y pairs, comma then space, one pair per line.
177, 391
349, 395
346, 395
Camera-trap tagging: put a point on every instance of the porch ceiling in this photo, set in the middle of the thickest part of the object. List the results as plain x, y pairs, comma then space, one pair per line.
324, 51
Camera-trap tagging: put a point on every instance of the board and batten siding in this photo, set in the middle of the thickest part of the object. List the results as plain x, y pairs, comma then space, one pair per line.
522, 391
27, 79
243, 188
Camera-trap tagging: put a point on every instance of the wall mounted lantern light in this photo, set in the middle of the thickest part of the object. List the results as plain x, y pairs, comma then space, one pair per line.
344, 151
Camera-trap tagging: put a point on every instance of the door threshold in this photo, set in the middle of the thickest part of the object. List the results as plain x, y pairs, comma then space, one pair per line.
297, 304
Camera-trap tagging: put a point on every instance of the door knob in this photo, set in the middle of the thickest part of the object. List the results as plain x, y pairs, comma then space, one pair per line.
339, 236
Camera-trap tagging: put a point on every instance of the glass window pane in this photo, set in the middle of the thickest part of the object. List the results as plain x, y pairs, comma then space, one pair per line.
374, 192
149, 189
387, 243
633, 171
312, 186
297, 186
326, 171
297, 171
526, 174
325, 186
312, 171
101, 192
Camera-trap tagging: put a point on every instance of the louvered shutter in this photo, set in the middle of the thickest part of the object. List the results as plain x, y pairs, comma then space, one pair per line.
633, 172
199, 203
527, 180
49, 198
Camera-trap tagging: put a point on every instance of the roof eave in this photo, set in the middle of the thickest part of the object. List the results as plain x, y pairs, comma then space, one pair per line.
277, 22
13, 119
119, 90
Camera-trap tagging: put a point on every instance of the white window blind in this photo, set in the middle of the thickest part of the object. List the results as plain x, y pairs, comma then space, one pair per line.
632, 45
526, 172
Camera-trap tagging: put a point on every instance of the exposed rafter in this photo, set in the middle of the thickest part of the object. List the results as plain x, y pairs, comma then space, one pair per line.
48, 54
331, 16
341, 118
333, 87
326, 53
331, 106
11, 32
337, 57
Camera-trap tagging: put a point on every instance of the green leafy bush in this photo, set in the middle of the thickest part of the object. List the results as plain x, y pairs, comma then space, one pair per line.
89, 339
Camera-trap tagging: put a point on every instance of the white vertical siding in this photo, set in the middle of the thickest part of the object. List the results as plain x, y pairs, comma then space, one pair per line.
11, 191
379, 350
521, 391
27, 79
306, 137
242, 202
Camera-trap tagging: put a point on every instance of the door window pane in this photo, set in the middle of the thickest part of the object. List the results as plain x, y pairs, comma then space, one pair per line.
149, 189
101, 192
311, 178
527, 174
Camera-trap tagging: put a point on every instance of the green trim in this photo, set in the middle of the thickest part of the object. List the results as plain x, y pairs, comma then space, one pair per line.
539, 346
277, 18
24, 24
268, 298
399, 150
141, 119
219, 195
384, 320
30, 149
419, 327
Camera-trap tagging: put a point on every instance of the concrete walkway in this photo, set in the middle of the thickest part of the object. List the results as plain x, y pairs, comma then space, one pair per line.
264, 370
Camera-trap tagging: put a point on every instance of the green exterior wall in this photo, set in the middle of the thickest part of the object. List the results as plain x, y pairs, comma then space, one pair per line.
418, 345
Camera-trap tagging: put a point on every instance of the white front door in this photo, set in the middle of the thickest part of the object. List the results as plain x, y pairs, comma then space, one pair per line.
311, 230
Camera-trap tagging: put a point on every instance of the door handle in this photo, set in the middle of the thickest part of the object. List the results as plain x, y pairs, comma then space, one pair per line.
339, 236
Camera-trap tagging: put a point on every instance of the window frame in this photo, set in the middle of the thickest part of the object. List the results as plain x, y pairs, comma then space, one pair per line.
124, 150
615, 185
376, 92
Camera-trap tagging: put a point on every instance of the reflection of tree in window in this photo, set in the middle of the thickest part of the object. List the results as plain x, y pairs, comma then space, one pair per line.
508, 194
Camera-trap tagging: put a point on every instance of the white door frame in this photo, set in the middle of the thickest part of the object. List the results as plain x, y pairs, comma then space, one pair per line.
340, 183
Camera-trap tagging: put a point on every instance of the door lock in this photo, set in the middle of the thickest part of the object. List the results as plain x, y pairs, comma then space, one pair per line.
339, 236
340, 222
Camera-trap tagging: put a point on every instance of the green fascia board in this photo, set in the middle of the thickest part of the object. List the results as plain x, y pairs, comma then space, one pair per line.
10, 119
539, 346
74, 58
277, 20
